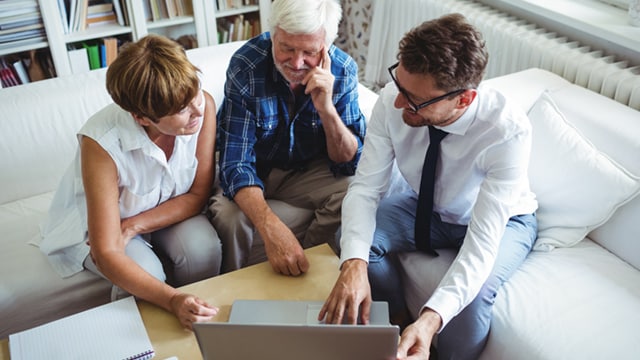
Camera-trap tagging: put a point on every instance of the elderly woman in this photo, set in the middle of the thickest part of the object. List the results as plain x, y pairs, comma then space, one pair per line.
130, 206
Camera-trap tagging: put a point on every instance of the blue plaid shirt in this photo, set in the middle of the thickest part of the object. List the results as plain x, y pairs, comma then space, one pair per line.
256, 132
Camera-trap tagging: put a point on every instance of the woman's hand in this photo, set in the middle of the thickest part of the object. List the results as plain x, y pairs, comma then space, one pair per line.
189, 309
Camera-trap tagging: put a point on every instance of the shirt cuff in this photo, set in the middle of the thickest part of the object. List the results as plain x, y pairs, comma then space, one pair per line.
444, 305
354, 249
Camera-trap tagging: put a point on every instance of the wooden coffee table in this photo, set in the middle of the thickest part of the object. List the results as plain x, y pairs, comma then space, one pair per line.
254, 282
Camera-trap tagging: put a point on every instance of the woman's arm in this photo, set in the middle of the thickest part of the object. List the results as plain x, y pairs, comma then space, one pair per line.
107, 241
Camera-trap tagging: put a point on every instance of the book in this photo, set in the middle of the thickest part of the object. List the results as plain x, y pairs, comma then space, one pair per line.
10, 8
101, 20
63, 16
111, 331
94, 55
82, 25
22, 28
79, 60
73, 5
21, 71
8, 77
155, 10
103, 55
111, 49
10, 22
172, 10
21, 33
117, 8
99, 8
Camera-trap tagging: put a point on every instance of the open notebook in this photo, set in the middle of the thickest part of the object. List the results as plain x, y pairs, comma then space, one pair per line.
114, 331
288, 330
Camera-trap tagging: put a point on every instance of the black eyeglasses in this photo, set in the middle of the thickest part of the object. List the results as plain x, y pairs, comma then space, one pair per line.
416, 107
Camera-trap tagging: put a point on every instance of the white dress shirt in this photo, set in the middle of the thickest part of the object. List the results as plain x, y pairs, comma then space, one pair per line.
481, 182
145, 180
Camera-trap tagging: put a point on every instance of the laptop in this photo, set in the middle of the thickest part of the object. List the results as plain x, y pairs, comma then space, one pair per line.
288, 330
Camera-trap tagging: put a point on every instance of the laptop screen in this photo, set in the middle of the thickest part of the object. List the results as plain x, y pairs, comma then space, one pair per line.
264, 329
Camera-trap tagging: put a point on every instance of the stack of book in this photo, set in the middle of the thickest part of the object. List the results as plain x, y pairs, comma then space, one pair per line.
224, 5
20, 23
167, 9
100, 13
236, 28
12, 74
78, 15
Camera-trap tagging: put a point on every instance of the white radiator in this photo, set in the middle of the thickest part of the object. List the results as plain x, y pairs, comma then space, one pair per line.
513, 45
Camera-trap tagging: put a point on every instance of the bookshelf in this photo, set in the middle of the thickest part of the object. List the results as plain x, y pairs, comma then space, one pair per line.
189, 17
223, 16
23, 42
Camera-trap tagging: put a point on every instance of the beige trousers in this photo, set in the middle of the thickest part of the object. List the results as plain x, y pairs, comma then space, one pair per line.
308, 201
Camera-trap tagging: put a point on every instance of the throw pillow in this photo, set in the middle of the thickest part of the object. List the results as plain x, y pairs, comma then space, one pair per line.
578, 188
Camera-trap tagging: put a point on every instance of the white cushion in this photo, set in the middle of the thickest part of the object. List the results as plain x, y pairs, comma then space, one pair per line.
213, 62
38, 127
615, 130
562, 304
536, 80
32, 293
578, 188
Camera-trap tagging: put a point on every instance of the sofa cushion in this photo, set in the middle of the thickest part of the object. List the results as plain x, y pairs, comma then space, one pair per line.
615, 130
536, 297
578, 187
213, 62
39, 123
571, 303
537, 81
31, 293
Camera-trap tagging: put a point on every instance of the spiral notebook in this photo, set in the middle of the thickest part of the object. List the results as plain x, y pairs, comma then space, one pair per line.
111, 331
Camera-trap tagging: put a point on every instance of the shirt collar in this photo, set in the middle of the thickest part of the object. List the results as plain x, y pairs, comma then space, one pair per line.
462, 124
132, 135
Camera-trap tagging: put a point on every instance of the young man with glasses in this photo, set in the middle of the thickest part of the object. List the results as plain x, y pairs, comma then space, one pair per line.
477, 201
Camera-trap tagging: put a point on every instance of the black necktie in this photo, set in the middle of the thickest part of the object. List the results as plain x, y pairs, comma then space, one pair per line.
424, 209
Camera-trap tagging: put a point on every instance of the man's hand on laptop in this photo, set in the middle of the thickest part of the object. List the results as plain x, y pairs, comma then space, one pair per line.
351, 294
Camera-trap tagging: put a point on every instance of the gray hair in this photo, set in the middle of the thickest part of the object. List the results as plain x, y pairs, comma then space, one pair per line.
306, 17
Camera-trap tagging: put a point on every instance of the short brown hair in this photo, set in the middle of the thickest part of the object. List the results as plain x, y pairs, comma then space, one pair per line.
449, 49
152, 77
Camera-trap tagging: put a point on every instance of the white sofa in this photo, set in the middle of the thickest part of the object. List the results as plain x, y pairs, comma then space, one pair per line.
570, 303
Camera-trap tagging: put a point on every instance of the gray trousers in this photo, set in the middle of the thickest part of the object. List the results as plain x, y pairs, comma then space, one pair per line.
308, 201
179, 254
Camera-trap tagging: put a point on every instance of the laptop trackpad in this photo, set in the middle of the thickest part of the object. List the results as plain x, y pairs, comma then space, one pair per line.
292, 312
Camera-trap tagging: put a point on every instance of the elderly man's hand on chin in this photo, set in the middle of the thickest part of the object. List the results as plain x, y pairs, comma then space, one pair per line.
319, 84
